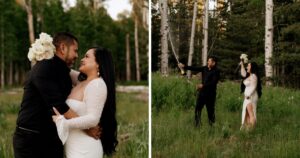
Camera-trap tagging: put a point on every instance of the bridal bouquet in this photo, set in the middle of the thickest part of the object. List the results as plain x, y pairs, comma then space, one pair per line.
41, 49
244, 58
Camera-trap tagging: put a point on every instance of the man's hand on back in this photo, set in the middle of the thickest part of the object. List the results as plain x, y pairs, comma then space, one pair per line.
94, 132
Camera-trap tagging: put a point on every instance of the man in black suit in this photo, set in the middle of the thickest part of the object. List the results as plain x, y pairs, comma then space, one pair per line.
48, 85
207, 90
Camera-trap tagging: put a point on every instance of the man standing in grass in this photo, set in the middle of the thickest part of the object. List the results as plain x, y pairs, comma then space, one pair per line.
207, 90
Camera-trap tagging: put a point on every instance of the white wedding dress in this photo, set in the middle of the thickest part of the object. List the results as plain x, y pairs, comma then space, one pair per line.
77, 143
250, 90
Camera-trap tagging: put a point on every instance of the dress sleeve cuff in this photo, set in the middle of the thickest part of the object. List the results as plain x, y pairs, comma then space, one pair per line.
62, 129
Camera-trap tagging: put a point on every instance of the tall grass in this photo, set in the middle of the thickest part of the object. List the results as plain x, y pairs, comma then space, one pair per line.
132, 116
172, 90
9, 105
174, 135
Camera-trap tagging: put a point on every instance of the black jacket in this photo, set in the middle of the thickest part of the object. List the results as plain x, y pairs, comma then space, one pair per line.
48, 84
210, 78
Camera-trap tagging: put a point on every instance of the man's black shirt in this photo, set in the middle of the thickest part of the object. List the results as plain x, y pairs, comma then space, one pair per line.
48, 85
210, 79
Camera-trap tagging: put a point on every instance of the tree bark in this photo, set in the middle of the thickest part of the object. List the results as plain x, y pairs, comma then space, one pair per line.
128, 72
145, 14
164, 38
17, 75
269, 42
2, 55
191, 50
2, 69
30, 20
136, 43
10, 78
205, 33
23, 76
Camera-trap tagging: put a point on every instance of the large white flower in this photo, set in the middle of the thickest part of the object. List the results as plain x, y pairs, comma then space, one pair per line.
30, 54
244, 57
45, 37
41, 49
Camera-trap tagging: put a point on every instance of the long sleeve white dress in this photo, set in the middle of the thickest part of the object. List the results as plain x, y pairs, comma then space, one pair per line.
250, 91
77, 143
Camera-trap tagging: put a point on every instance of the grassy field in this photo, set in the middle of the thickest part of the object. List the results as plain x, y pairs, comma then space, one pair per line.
277, 133
132, 116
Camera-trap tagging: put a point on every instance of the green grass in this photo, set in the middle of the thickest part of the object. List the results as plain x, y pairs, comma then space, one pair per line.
132, 116
9, 105
174, 135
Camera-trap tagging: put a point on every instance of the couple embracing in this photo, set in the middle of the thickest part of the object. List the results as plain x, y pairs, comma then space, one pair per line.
66, 112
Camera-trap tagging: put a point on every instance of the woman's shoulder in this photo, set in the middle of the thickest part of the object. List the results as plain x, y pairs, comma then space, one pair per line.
254, 76
95, 87
97, 83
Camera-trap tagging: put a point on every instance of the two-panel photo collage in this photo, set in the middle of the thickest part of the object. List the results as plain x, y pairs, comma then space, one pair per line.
149, 78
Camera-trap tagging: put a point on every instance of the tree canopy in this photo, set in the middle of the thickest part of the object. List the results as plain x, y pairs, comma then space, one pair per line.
92, 26
236, 27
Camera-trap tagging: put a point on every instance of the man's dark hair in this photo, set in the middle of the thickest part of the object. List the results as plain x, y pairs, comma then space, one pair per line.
64, 37
213, 58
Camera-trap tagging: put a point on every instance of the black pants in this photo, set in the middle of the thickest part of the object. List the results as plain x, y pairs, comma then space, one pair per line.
209, 101
29, 144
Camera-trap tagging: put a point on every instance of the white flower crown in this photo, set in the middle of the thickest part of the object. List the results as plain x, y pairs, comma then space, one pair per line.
41, 49
244, 57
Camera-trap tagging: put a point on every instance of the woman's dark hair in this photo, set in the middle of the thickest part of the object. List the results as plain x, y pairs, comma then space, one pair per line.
254, 70
108, 121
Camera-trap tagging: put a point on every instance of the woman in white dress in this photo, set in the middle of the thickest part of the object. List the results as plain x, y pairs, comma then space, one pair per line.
251, 86
93, 99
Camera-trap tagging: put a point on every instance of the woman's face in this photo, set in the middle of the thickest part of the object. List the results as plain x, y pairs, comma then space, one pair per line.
249, 68
88, 62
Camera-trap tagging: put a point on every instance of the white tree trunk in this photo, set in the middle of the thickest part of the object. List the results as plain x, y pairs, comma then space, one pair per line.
137, 58
164, 38
128, 72
145, 14
191, 50
30, 21
269, 41
205, 33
